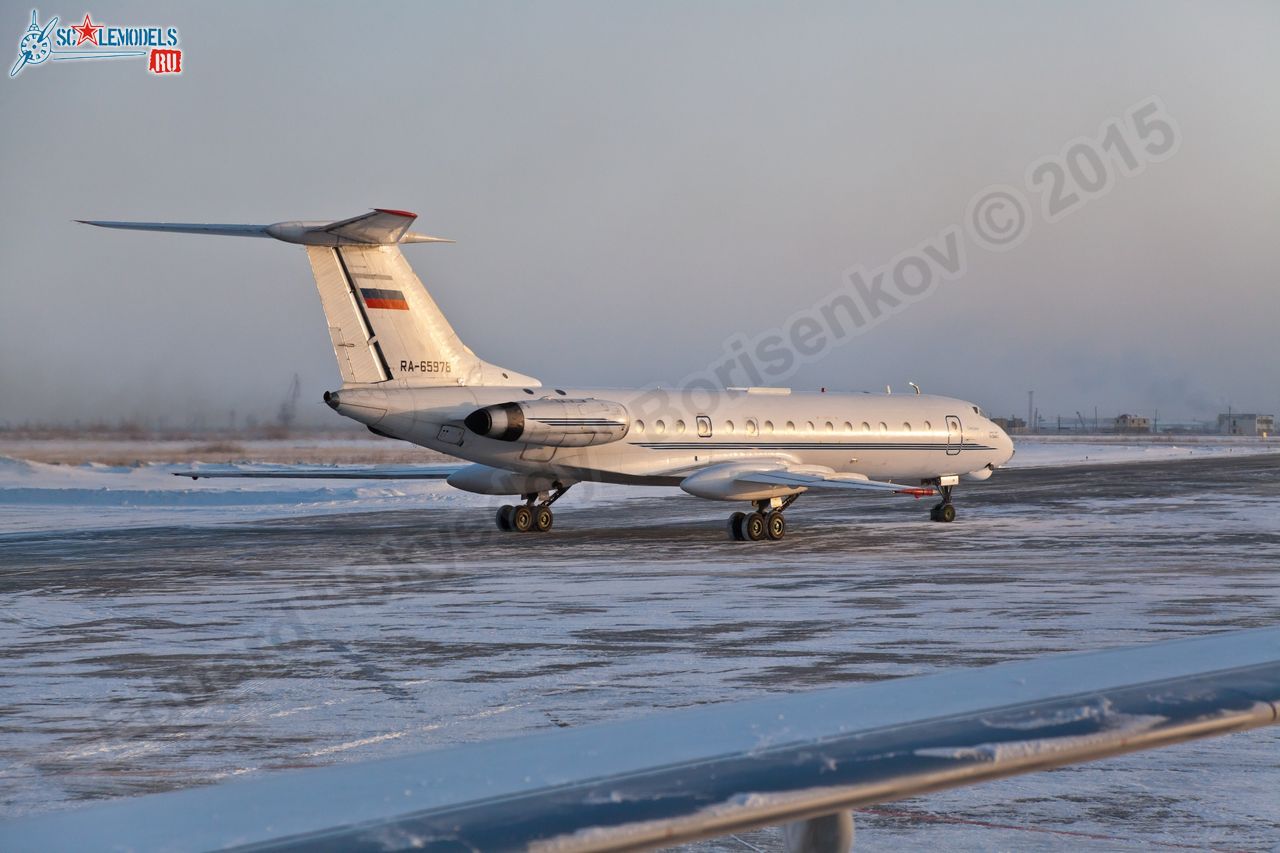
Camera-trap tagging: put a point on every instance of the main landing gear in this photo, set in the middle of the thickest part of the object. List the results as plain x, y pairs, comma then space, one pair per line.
767, 522
945, 511
530, 515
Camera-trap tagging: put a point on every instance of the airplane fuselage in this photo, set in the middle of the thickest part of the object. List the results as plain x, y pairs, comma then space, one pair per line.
894, 437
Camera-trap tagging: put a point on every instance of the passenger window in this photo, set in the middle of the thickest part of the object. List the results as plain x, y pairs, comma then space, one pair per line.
704, 426
751, 426
638, 426
809, 426
884, 427
906, 427
679, 427
829, 427
791, 426
728, 427
659, 427
866, 427
927, 426
768, 427
848, 427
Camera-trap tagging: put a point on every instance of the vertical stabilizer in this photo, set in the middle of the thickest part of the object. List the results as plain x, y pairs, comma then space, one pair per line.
384, 325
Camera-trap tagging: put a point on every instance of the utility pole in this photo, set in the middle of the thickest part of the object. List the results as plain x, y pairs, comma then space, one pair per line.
1031, 398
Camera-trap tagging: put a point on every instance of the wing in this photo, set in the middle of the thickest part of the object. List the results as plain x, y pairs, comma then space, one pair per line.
696, 773
323, 472
760, 477
828, 479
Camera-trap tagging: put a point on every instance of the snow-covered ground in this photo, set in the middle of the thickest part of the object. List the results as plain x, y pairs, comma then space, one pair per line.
45, 496
1040, 451
236, 627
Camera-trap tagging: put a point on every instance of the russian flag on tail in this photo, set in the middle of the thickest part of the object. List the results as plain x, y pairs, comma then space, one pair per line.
375, 297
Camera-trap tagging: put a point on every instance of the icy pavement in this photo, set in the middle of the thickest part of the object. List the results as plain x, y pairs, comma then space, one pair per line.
180, 654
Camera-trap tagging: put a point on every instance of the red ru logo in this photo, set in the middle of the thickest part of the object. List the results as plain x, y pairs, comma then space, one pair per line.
165, 61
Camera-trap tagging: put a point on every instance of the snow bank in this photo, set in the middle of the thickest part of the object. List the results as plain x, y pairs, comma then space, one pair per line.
1053, 451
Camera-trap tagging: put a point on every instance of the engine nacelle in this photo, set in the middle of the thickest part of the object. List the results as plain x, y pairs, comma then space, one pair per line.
554, 422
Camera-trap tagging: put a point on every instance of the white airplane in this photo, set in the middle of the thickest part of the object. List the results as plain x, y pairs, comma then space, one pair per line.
407, 375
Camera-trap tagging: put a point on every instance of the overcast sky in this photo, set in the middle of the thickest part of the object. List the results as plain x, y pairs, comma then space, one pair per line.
633, 185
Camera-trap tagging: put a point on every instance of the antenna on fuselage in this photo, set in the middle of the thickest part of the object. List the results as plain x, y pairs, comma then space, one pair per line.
915, 386
888, 390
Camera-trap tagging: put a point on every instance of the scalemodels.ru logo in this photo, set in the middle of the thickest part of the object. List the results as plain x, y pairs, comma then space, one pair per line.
88, 40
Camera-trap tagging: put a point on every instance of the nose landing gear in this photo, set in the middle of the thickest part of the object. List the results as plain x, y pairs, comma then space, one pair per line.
530, 515
944, 512
767, 522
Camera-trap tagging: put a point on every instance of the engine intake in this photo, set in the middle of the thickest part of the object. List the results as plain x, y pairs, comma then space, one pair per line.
554, 422
504, 421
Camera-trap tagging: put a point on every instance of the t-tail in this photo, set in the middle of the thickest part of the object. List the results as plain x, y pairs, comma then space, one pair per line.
384, 325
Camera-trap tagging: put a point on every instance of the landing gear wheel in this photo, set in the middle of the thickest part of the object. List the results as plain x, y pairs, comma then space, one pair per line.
504, 517
775, 525
736, 533
521, 519
542, 519
753, 525
946, 513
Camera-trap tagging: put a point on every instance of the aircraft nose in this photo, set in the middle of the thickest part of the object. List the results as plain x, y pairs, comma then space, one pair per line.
1007, 450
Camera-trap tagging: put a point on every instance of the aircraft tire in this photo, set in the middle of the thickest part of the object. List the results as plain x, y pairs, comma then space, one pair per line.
947, 513
735, 526
504, 516
521, 519
754, 526
542, 519
775, 525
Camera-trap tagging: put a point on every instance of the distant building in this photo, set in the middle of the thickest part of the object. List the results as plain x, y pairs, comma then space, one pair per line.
1132, 423
1010, 423
1246, 424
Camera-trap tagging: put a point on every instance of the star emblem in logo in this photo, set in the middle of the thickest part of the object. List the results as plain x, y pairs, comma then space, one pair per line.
87, 32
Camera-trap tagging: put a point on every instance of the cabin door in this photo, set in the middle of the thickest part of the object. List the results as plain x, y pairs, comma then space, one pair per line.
954, 438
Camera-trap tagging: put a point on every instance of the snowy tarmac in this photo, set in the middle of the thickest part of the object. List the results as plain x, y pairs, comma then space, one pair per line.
148, 648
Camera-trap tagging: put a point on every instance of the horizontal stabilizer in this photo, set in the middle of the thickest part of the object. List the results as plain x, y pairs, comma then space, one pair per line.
185, 227
379, 227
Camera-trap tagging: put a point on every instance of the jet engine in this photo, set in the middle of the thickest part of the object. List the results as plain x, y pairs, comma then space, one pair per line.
554, 422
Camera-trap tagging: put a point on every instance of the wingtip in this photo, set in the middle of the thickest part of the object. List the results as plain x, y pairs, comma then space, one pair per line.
405, 213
